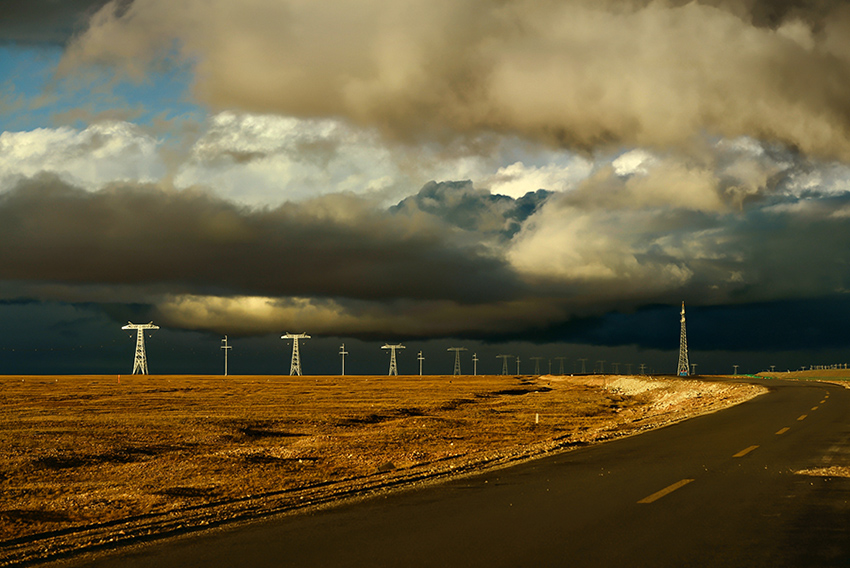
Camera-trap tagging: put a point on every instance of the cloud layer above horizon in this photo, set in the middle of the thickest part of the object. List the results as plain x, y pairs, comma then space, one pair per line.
439, 169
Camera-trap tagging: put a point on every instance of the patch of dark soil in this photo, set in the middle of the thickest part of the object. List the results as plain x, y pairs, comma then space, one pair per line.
405, 412
367, 419
63, 461
520, 392
253, 432
35, 515
453, 404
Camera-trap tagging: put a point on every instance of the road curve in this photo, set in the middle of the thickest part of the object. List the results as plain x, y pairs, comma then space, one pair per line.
717, 490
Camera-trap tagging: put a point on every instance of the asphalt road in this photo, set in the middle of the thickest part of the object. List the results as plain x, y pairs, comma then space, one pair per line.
717, 490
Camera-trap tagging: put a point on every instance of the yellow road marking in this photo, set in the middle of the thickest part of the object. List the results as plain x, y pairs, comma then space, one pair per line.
744, 452
666, 491
803, 417
783, 431
814, 408
823, 401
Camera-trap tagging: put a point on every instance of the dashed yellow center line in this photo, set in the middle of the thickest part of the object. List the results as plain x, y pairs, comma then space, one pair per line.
744, 452
802, 417
814, 408
666, 491
823, 401
782, 431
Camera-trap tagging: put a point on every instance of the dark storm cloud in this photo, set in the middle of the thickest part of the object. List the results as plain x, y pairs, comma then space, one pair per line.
191, 242
584, 74
472, 209
45, 21
801, 324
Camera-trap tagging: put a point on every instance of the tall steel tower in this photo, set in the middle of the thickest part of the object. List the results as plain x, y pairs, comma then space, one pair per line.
537, 364
393, 362
683, 369
295, 367
140, 361
504, 359
457, 351
561, 366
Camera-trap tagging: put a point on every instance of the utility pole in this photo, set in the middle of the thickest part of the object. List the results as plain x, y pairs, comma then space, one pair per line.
628, 368
601, 366
642, 368
517, 365
343, 353
475, 363
616, 368
735, 369
420, 358
225, 347
693, 369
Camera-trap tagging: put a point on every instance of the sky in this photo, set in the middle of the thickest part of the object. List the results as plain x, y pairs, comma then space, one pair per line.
524, 177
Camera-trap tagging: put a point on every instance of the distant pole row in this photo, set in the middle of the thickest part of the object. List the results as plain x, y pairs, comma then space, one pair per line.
140, 363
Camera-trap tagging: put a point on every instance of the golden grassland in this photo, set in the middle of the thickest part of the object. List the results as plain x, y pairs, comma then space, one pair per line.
92, 461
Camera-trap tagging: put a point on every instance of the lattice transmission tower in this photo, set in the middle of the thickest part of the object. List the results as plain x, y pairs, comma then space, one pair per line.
537, 364
504, 359
295, 366
561, 365
393, 362
457, 351
140, 361
683, 369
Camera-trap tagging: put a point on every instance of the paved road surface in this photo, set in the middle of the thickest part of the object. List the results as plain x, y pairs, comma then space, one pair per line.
718, 490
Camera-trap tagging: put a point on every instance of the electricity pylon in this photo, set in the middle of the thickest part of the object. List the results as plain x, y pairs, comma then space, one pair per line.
683, 368
225, 347
561, 366
504, 359
393, 363
537, 364
457, 351
295, 367
140, 361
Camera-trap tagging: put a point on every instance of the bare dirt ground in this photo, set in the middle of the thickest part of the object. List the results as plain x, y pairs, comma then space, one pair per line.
100, 461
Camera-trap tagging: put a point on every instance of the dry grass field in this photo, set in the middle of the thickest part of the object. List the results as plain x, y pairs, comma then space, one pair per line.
92, 461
